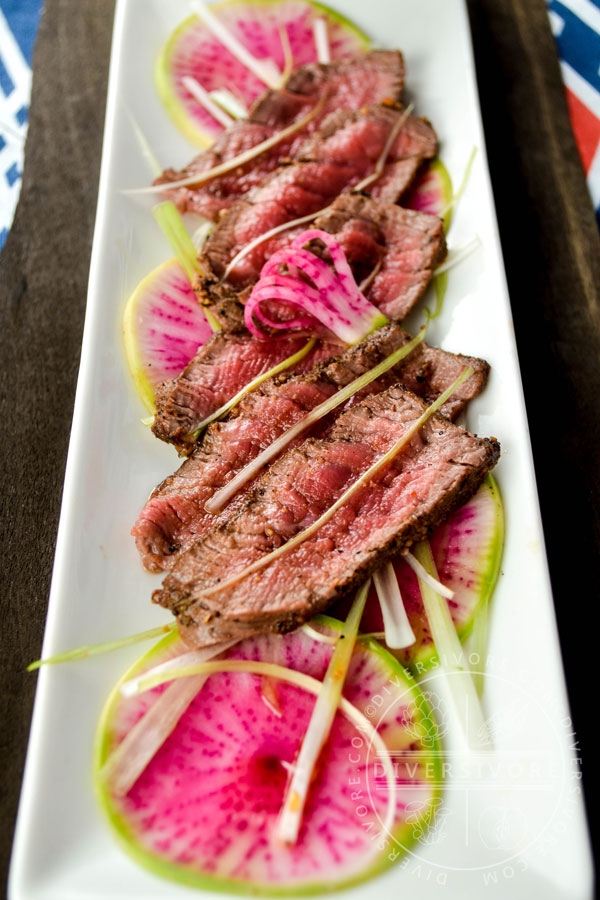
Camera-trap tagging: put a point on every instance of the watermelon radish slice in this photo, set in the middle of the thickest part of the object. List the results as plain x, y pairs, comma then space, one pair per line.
193, 51
432, 192
204, 811
467, 550
163, 326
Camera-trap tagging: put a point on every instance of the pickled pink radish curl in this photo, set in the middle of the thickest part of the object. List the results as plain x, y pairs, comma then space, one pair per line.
329, 295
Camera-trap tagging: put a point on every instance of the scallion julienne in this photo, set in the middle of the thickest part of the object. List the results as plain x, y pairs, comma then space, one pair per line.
452, 656
321, 720
106, 647
398, 630
287, 363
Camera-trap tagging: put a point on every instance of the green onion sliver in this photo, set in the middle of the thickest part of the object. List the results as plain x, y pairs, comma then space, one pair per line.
321, 720
97, 649
173, 228
452, 657
280, 367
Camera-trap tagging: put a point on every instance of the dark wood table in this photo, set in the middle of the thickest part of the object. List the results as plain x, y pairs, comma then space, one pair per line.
552, 254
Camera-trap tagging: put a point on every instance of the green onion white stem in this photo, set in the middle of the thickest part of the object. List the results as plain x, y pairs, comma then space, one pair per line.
201, 234
288, 56
317, 635
380, 164
360, 482
204, 99
456, 256
224, 495
321, 720
398, 631
424, 575
290, 361
200, 178
452, 657
171, 225
321, 40
202, 654
264, 69
97, 649
307, 683
230, 103
143, 741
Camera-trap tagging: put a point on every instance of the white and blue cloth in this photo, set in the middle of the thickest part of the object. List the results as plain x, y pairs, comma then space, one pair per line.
575, 24
18, 26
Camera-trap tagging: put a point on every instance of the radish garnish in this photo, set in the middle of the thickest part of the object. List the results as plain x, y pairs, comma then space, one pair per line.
265, 70
224, 495
423, 575
163, 327
452, 656
320, 723
105, 647
204, 98
380, 164
307, 683
205, 810
192, 49
321, 40
235, 162
398, 632
362, 480
332, 297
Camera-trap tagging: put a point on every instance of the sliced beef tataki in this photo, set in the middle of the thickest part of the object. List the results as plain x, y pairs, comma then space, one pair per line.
175, 516
438, 470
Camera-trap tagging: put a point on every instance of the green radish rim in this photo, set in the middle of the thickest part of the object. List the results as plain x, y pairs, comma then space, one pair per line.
165, 84
401, 838
427, 657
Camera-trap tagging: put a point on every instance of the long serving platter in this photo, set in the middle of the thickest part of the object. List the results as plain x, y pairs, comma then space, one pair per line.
513, 825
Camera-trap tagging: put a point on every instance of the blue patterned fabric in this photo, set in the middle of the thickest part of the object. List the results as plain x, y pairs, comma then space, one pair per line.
576, 27
19, 21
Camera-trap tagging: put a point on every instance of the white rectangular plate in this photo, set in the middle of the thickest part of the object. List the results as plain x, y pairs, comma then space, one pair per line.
515, 830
